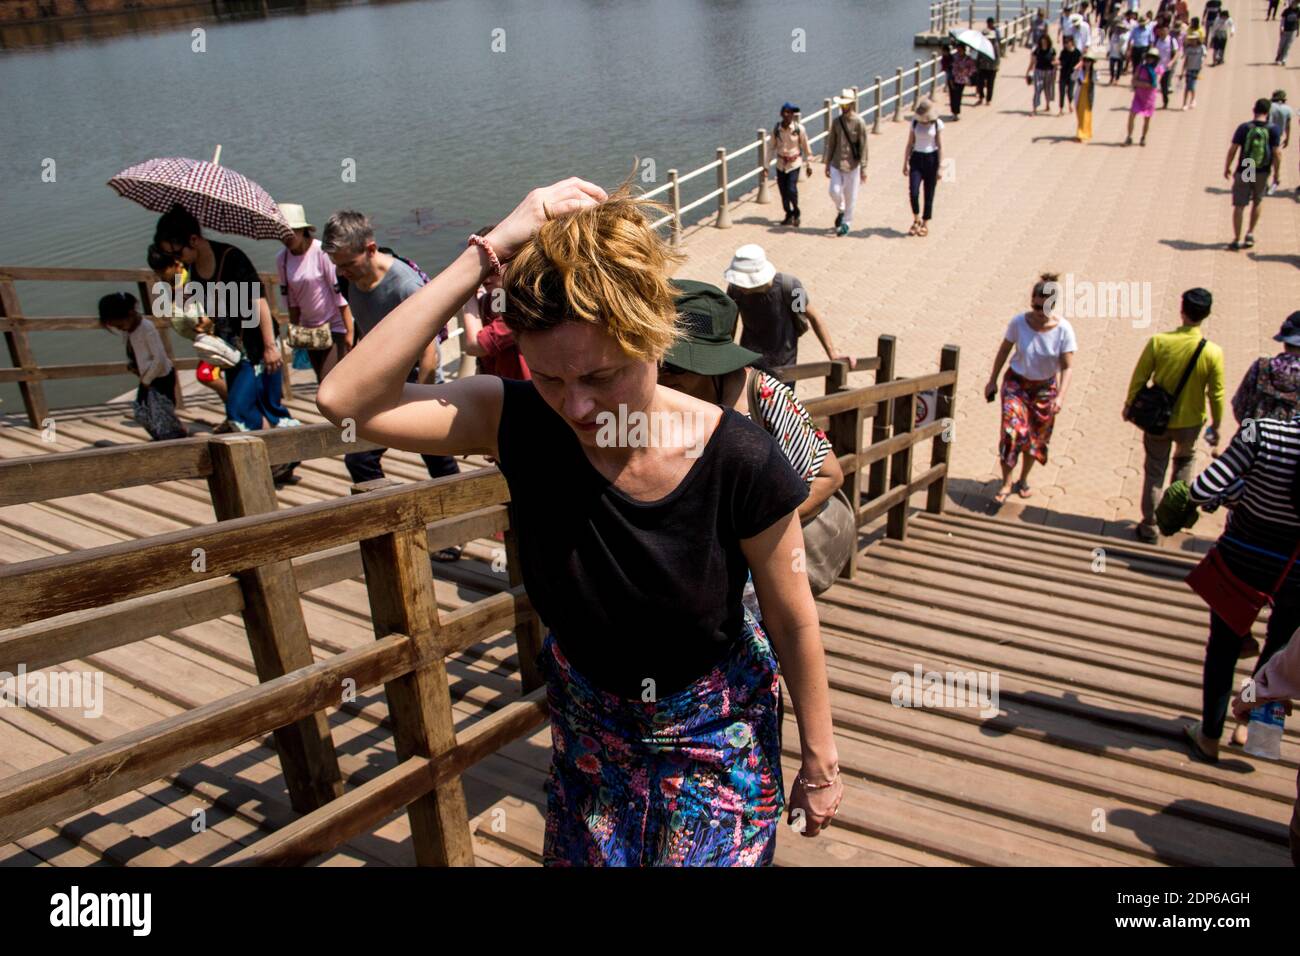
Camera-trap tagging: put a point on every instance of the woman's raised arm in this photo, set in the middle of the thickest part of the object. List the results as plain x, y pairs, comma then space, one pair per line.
368, 387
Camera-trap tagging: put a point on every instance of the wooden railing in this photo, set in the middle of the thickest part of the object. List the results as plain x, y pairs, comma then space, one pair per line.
257, 560
947, 15
17, 326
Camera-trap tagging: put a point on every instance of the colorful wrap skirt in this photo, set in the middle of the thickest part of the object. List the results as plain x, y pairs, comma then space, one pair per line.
693, 779
1027, 418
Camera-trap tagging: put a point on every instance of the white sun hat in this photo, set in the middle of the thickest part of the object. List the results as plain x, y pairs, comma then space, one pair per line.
749, 268
846, 97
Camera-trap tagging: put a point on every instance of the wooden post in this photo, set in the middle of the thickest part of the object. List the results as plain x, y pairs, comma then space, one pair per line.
916, 92
945, 407
900, 464
934, 75
762, 167
971, 22
845, 434
528, 637
878, 474
22, 357
875, 120
240, 485
724, 214
402, 600
997, 11
829, 104
898, 88
676, 192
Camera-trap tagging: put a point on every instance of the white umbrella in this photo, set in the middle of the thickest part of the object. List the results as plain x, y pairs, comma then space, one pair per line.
973, 39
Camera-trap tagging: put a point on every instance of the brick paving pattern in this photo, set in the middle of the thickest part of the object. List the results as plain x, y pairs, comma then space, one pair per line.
1025, 198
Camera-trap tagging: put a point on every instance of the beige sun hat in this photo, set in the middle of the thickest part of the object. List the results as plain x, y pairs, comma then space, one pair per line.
296, 215
924, 110
847, 97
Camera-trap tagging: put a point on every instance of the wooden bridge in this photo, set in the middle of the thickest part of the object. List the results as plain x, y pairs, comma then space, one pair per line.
287, 679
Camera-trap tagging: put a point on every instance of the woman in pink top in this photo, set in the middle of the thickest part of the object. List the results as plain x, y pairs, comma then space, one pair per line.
1279, 679
310, 289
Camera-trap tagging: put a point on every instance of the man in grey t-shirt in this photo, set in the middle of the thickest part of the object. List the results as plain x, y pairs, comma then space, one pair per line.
376, 284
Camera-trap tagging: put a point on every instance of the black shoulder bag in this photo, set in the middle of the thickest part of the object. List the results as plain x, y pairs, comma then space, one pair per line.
1153, 406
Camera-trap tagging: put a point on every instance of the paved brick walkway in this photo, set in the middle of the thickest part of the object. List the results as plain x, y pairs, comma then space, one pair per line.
1025, 198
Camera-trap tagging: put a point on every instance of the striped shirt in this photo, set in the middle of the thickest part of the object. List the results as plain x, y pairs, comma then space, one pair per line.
787, 420
1257, 472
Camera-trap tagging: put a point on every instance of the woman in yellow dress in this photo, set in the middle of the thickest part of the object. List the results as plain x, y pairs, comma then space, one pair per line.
1085, 81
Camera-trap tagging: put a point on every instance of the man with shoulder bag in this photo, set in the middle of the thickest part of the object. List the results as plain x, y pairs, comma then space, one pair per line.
1176, 375
845, 158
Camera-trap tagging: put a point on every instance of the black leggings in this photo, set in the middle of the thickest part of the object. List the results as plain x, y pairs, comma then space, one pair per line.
955, 91
924, 170
1066, 82
1221, 661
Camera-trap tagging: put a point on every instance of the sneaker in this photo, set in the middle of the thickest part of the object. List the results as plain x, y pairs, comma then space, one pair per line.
1250, 241
789, 218
288, 423
839, 220
446, 554
1234, 246
1272, 188
1147, 534
843, 229
796, 218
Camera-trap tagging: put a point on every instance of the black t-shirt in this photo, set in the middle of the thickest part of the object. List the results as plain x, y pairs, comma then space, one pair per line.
767, 321
234, 267
1290, 20
1069, 60
631, 589
1043, 59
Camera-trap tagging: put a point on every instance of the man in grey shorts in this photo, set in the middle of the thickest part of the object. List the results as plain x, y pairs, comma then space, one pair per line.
1253, 158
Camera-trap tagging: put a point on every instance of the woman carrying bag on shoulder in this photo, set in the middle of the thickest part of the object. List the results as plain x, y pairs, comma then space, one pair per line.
1252, 563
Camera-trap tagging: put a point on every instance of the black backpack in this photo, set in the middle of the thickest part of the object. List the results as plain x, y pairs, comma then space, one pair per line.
1153, 406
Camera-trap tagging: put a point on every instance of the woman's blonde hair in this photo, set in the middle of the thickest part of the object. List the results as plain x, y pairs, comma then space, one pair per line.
602, 264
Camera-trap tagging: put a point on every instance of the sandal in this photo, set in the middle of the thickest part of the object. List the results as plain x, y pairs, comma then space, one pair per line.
1250, 241
1023, 489
916, 227
1003, 492
1201, 746
924, 230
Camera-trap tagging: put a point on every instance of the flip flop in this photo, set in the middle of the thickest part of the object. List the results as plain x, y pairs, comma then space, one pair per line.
1023, 489
1002, 495
924, 230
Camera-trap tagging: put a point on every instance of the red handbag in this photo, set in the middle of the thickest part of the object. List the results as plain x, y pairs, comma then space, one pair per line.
1231, 598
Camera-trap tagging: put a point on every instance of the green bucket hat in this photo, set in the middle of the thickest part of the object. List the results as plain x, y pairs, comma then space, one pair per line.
708, 317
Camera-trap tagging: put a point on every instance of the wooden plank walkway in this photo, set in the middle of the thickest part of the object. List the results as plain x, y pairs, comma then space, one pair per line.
1096, 672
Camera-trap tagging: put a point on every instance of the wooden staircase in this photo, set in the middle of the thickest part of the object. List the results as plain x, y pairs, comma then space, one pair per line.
1098, 670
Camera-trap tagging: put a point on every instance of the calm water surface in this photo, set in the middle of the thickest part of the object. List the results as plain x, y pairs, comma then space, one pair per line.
445, 133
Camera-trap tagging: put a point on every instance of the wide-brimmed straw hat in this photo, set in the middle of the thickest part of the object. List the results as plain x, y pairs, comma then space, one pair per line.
924, 110
707, 316
749, 268
846, 98
296, 215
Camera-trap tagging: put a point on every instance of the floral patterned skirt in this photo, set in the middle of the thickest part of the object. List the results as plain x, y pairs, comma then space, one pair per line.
693, 779
1027, 418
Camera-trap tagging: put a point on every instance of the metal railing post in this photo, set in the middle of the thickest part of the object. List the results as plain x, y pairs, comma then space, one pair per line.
724, 214
676, 192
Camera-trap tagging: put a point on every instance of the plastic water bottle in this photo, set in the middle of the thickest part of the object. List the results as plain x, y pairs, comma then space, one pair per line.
1264, 732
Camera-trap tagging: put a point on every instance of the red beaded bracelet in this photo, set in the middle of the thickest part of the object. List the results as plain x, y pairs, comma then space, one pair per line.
477, 240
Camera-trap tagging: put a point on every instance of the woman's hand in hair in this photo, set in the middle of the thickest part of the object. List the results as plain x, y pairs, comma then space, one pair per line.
543, 203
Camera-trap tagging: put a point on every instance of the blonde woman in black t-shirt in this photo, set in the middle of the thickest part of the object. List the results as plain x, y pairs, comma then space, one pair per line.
640, 512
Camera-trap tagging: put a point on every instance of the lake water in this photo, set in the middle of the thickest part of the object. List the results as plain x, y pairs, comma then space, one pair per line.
445, 133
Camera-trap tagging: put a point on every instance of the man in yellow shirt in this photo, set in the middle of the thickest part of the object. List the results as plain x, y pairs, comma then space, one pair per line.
1163, 362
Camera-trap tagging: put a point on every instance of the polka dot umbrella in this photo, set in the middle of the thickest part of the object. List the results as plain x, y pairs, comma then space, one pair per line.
218, 197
